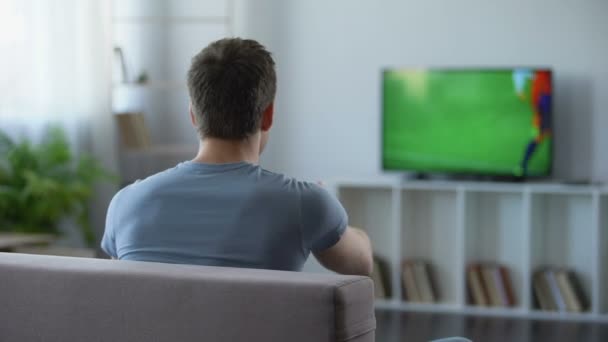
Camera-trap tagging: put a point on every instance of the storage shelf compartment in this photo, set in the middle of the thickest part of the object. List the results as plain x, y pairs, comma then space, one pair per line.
429, 233
165, 112
494, 235
562, 237
370, 210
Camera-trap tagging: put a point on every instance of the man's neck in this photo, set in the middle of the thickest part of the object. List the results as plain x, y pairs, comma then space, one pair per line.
221, 151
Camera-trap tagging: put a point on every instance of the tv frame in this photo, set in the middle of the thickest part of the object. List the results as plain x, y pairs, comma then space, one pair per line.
423, 174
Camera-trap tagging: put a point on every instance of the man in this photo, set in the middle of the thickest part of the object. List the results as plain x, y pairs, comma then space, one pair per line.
541, 119
540, 100
222, 208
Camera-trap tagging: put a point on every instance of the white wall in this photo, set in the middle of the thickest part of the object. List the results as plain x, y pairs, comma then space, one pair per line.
330, 53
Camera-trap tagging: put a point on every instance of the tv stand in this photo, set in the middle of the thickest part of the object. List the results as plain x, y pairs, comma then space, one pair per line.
452, 224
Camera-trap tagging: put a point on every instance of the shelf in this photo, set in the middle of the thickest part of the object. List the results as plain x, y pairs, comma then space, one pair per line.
165, 113
471, 186
371, 211
385, 304
523, 226
466, 186
385, 184
420, 307
430, 232
425, 307
561, 189
153, 85
569, 316
490, 312
494, 311
172, 8
492, 229
562, 236
160, 38
172, 20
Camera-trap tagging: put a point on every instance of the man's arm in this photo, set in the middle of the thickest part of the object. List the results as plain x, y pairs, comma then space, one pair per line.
108, 242
352, 254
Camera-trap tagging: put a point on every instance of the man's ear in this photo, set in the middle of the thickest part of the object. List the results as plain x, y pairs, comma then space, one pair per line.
192, 117
267, 117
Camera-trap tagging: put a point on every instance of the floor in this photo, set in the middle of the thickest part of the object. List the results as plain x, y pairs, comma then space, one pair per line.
400, 326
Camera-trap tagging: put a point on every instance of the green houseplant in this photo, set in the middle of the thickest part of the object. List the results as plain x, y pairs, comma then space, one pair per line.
42, 184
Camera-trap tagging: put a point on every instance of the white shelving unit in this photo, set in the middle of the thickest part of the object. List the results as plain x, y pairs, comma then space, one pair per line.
158, 38
166, 85
451, 224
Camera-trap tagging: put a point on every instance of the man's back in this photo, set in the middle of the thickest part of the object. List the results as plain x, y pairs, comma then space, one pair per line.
221, 208
234, 214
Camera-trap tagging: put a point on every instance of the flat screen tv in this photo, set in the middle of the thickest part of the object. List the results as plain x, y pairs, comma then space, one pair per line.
493, 122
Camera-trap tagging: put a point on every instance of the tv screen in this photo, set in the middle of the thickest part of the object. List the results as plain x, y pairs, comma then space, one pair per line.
490, 122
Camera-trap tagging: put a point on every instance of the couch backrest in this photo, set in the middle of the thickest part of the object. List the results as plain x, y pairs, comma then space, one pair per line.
46, 298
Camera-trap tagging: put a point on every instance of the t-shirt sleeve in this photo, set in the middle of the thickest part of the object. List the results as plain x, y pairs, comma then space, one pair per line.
324, 220
108, 242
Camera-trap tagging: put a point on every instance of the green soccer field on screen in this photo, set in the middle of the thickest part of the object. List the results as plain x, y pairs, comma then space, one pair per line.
467, 121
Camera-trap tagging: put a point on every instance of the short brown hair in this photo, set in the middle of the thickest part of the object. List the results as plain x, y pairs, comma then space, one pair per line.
231, 82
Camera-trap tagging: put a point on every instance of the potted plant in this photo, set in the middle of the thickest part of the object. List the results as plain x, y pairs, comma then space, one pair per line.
43, 184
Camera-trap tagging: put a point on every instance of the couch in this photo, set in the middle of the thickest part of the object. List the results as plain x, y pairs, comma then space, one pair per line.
49, 298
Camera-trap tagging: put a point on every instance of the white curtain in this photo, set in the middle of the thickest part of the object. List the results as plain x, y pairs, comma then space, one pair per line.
53, 64
55, 68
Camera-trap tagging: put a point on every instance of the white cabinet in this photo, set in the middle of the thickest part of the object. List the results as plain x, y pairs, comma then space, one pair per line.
522, 226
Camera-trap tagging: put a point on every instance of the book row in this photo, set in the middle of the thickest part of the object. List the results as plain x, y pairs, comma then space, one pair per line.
558, 289
488, 285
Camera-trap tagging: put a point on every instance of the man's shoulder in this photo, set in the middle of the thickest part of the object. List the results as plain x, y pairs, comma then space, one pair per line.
309, 194
288, 183
264, 180
168, 174
145, 183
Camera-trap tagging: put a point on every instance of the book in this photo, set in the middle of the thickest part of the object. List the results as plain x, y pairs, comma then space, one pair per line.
500, 288
573, 304
476, 288
487, 273
380, 276
423, 282
542, 292
507, 286
377, 278
133, 131
554, 290
490, 285
578, 290
385, 273
410, 290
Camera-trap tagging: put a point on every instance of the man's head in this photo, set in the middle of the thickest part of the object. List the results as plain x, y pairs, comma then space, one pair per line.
232, 85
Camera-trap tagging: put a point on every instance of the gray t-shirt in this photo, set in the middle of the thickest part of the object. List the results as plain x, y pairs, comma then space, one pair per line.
236, 214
